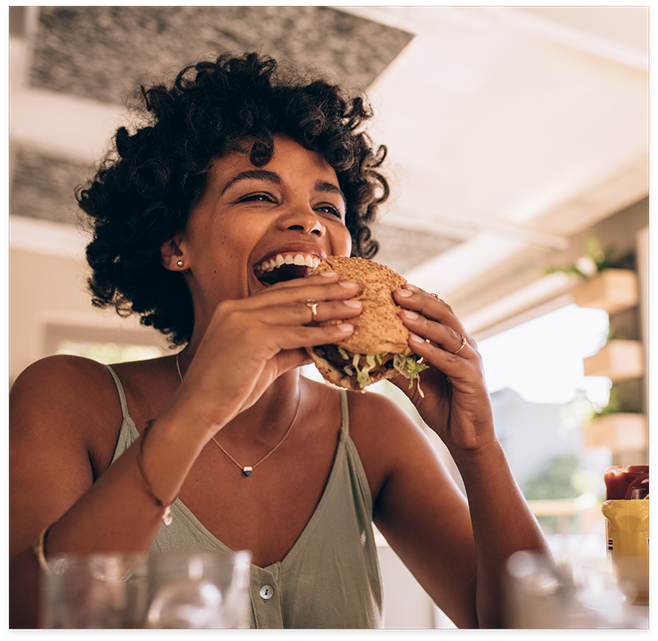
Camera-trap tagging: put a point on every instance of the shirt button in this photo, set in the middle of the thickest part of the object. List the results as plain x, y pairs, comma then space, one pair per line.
266, 592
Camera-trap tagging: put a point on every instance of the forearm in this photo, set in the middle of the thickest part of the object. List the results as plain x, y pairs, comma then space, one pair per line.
115, 514
502, 524
120, 511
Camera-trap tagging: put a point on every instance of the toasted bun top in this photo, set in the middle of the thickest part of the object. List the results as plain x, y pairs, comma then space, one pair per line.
378, 329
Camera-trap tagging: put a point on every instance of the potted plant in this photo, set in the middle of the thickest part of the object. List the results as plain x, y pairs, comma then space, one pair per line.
601, 286
619, 359
616, 427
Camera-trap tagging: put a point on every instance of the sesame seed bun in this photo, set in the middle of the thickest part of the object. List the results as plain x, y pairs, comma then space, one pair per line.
377, 330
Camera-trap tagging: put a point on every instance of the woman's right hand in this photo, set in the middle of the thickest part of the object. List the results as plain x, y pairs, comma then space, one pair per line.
250, 342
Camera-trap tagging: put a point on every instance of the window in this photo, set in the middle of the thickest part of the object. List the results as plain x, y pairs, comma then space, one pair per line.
108, 352
103, 344
541, 401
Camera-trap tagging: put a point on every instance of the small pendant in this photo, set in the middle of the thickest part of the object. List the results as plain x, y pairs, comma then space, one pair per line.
247, 470
167, 518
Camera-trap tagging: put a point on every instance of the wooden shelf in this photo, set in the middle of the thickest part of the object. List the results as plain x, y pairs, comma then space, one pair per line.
618, 432
611, 290
619, 360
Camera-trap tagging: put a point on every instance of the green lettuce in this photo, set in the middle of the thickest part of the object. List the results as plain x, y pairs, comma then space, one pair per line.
408, 366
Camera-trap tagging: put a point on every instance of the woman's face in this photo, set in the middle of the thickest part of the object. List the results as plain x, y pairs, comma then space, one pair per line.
255, 226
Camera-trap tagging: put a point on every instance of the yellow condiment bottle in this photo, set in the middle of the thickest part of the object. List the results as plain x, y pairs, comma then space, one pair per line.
627, 533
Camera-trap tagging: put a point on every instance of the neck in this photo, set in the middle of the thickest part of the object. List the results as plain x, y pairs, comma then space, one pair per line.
268, 420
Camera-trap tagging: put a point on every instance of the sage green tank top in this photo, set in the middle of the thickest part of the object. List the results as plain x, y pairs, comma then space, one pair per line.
330, 578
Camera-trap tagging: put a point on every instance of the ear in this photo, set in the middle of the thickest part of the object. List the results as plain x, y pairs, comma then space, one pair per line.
172, 255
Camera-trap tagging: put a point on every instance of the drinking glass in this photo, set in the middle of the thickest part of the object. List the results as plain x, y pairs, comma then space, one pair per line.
205, 590
96, 591
163, 590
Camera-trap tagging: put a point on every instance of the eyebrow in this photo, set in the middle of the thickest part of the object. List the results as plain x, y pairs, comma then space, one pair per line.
258, 174
324, 186
270, 176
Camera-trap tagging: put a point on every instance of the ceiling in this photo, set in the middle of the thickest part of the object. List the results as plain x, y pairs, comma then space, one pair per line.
510, 129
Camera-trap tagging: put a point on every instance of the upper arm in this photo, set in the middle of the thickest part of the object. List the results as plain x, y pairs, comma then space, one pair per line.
418, 507
56, 410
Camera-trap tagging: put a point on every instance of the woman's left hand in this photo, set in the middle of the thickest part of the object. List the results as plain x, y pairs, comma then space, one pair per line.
456, 403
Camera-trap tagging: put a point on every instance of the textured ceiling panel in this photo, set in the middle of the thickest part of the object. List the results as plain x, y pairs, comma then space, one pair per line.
403, 250
43, 186
103, 52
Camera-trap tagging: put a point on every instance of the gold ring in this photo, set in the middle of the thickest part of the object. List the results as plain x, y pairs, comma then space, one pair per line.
435, 296
461, 347
313, 306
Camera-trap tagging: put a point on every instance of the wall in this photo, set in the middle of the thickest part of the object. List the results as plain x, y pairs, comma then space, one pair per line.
48, 291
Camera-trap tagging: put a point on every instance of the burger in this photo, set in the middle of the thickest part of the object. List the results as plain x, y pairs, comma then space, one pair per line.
378, 347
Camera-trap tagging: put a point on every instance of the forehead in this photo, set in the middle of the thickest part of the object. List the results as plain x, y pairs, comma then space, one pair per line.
288, 158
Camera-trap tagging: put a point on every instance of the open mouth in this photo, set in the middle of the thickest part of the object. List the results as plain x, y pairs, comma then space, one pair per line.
284, 267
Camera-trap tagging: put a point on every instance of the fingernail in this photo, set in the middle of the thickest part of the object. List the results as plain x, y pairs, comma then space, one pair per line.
409, 315
413, 288
405, 293
353, 303
416, 339
350, 285
327, 274
345, 327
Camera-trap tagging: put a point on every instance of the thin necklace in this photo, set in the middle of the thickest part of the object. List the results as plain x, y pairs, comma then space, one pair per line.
248, 469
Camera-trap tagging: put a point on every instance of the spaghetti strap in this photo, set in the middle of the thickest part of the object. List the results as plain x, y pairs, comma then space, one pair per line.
345, 414
122, 395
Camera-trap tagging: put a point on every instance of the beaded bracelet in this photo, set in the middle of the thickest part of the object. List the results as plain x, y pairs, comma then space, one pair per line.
167, 518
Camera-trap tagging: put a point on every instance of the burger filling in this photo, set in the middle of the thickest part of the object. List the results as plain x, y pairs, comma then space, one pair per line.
363, 365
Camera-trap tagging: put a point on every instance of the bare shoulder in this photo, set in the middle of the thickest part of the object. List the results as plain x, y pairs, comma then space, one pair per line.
386, 437
59, 366
377, 419
62, 382
64, 418
64, 399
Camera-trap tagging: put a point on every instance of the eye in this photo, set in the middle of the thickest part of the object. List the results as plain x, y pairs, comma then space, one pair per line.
256, 198
330, 209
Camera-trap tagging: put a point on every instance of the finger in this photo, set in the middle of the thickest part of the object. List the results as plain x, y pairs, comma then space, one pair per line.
319, 290
292, 358
324, 277
442, 335
294, 337
453, 365
414, 298
311, 311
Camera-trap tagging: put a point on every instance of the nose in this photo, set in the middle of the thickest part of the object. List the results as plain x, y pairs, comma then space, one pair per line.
303, 219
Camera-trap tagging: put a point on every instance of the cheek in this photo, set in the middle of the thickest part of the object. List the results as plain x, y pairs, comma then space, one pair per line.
341, 241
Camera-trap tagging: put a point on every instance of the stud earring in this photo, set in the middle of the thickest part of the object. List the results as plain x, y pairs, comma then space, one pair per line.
180, 263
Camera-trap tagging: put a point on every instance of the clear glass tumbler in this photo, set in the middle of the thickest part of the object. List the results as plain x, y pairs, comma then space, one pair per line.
166, 590
96, 591
205, 590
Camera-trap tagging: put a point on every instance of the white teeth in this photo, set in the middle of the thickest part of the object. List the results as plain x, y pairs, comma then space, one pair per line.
311, 262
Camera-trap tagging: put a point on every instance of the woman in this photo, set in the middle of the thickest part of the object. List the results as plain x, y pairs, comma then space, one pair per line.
225, 442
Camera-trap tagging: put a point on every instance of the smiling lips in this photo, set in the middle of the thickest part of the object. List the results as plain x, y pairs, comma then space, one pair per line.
286, 267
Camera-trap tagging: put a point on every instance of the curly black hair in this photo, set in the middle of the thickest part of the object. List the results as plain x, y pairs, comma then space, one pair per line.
141, 195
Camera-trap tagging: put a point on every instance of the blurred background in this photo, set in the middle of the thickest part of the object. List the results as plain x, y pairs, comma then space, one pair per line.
518, 146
